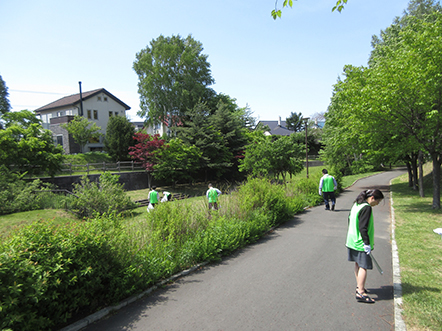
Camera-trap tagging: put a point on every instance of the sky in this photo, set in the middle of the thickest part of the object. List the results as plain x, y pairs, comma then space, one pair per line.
274, 67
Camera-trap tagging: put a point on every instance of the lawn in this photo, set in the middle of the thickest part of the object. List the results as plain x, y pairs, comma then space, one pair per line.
420, 254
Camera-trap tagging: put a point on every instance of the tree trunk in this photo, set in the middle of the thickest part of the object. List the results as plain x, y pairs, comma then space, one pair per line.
149, 179
414, 166
436, 180
410, 174
421, 174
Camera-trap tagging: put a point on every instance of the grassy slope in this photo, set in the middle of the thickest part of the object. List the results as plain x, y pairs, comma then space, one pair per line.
420, 254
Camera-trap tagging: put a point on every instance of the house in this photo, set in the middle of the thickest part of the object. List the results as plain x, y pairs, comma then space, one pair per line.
97, 105
278, 128
159, 128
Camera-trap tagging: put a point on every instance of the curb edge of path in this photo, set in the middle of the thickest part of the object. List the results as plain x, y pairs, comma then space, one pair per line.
397, 285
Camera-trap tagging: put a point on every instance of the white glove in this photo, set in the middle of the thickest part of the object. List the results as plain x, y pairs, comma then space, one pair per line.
367, 249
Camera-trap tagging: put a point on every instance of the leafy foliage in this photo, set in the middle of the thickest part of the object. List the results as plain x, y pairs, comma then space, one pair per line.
146, 148
29, 149
82, 130
173, 76
266, 157
5, 106
177, 161
105, 196
17, 195
119, 137
295, 122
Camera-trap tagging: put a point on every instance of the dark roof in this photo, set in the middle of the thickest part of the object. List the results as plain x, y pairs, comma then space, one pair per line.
275, 129
74, 99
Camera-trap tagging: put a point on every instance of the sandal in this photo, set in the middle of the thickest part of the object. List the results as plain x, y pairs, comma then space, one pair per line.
365, 290
363, 298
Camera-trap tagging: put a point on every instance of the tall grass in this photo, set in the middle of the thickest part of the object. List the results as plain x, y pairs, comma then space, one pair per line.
133, 252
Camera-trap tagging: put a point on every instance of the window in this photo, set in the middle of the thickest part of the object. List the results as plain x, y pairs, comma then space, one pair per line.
98, 98
105, 99
94, 140
59, 140
95, 114
89, 116
59, 113
110, 114
116, 113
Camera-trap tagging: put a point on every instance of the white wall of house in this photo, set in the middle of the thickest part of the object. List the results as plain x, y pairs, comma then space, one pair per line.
98, 109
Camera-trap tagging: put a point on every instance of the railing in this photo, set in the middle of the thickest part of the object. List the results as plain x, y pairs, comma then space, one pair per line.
102, 166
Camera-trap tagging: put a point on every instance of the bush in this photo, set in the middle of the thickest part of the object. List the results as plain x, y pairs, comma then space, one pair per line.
50, 273
101, 197
17, 195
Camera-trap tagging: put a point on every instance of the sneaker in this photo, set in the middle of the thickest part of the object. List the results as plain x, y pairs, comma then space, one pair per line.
333, 207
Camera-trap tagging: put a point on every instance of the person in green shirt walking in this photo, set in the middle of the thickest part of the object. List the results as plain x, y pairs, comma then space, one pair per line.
154, 197
360, 238
327, 188
212, 194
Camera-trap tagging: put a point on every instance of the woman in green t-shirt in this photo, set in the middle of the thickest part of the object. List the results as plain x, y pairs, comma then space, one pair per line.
360, 238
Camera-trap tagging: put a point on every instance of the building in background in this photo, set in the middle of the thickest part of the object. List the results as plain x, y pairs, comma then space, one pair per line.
98, 106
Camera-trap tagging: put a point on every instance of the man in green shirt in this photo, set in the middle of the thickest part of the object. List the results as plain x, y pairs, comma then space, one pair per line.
154, 197
327, 187
212, 194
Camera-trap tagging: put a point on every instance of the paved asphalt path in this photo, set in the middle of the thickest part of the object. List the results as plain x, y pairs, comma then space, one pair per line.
295, 278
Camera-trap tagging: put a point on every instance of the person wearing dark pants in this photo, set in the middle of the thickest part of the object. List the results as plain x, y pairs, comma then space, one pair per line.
327, 187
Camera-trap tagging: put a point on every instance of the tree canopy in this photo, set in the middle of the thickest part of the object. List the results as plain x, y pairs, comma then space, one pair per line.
392, 109
119, 137
82, 130
29, 148
173, 76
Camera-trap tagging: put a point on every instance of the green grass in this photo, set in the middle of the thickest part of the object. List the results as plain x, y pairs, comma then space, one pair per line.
11, 221
420, 254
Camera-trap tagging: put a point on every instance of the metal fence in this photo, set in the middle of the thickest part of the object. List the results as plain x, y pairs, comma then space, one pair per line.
102, 166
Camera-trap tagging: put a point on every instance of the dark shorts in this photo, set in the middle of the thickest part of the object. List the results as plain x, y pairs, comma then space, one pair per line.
361, 258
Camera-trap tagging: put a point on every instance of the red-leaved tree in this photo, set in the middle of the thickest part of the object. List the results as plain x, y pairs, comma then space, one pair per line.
145, 151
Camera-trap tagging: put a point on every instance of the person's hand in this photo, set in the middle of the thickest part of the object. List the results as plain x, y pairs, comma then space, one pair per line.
367, 249
320, 193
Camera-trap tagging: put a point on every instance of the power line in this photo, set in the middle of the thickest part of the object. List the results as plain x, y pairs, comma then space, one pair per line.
37, 92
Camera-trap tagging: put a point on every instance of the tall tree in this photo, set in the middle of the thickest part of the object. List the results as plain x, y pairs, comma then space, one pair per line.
197, 130
173, 76
294, 122
119, 137
5, 107
82, 130
233, 123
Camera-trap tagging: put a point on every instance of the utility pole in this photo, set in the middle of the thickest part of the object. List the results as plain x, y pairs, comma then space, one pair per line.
81, 101
305, 119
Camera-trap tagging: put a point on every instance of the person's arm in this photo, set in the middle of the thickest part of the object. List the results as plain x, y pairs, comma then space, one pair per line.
218, 191
320, 185
364, 219
335, 183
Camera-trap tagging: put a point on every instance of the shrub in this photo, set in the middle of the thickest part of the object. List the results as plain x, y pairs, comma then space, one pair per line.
17, 195
50, 273
101, 197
